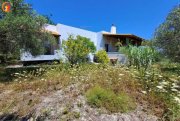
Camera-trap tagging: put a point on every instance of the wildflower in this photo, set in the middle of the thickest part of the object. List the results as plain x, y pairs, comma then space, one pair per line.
135, 71
175, 85
163, 90
148, 73
16, 80
105, 70
174, 80
179, 94
160, 87
164, 83
121, 74
174, 90
160, 76
177, 99
144, 92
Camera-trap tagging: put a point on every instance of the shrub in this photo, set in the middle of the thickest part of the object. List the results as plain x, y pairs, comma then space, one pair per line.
100, 97
102, 57
140, 57
26, 72
11, 73
77, 49
162, 89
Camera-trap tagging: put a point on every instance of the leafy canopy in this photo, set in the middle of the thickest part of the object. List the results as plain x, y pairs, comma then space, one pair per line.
167, 36
22, 30
77, 48
102, 57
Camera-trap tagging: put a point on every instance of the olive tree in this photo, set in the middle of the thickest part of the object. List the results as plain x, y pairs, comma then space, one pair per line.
167, 35
22, 30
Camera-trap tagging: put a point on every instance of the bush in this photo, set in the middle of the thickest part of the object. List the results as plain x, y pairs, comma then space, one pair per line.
9, 74
102, 57
140, 57
100, 97
77, 49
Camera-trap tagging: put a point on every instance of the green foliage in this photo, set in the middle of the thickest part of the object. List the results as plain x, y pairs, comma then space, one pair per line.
167, 35
77, 115
102, 57
22, 73
140, 57
100, 97
22, 30
77, 48
161, 84
147, 43
48, 18
157, 91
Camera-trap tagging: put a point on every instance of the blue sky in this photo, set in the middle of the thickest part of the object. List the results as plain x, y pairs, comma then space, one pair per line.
139, 17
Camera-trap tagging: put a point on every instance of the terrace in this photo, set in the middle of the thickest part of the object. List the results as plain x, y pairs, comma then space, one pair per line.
114, 41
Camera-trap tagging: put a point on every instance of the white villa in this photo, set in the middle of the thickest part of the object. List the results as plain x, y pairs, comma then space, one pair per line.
102, 40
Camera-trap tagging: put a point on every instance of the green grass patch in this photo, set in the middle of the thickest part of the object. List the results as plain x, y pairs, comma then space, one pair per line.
99, 97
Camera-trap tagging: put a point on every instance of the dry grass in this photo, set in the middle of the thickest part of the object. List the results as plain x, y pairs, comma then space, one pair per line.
23, 95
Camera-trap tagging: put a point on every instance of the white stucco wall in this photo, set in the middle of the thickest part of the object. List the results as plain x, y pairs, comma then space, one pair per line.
65, 31
100, 41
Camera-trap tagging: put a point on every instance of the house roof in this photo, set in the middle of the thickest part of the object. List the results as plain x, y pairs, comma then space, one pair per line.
124, 35
53, 32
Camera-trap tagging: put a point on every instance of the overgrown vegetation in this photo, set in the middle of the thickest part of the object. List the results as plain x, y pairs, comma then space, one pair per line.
140, 57
116, 88
100, 97
22, 30
77, 49
102, 57
167, 35
156, 83
144, 82
166, 87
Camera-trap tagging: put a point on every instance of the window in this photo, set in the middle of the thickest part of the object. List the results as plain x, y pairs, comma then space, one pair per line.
49, 48
107, 47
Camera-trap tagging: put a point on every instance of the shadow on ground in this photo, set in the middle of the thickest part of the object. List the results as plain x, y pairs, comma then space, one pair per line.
171, 70
13, 117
